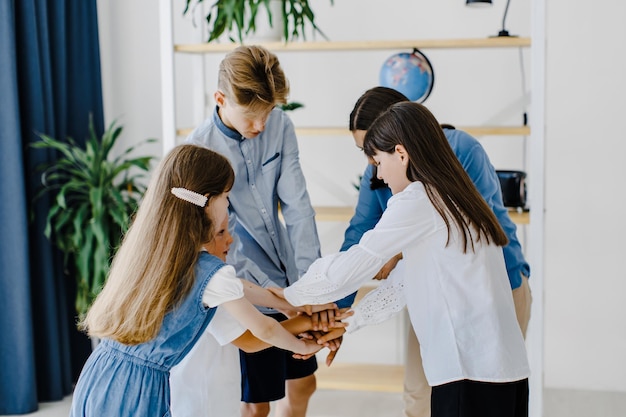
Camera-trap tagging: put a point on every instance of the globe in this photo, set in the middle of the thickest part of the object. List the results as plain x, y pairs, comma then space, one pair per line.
409, 73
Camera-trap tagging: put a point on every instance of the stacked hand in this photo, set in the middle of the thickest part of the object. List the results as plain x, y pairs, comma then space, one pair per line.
328, 333
326, 327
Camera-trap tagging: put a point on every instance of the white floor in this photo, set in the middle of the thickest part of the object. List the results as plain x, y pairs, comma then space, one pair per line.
327, 403
324, 403
382, 345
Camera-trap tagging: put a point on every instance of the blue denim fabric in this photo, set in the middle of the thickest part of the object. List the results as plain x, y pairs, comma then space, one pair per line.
122, 380
268, 179
476, 163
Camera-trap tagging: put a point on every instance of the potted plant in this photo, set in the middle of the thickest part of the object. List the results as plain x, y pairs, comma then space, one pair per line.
95, 195
240, 16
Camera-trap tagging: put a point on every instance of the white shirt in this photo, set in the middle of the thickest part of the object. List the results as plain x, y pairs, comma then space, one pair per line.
207, 382
460, 305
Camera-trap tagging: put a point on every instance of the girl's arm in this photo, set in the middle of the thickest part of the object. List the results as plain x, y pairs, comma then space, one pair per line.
260, 296
405, 222
299, 324
267, 329
378, 305
250, 343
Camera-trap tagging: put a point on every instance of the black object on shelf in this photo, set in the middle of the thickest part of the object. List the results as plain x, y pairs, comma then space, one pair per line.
513, 185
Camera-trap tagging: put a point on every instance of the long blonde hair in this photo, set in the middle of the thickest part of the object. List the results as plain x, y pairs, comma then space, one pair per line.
153, 269
252, 77
434, 164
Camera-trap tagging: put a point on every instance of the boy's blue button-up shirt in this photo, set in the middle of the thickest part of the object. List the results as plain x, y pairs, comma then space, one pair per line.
267, 176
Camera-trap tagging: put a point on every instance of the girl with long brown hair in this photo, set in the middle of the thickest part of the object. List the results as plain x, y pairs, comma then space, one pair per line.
452, 277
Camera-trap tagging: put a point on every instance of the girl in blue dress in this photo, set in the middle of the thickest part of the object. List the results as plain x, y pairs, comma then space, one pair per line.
152, 309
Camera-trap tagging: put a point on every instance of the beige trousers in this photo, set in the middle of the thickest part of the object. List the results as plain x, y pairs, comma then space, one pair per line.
416, 389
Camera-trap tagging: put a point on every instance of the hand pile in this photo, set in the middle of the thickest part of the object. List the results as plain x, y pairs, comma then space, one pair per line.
326, 327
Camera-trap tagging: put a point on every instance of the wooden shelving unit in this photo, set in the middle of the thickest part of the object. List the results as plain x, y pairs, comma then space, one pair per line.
344, 214
499, 42
389, 378
339, 131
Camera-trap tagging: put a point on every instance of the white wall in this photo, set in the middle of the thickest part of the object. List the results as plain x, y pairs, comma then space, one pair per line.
585, 335
130, 63
584, 332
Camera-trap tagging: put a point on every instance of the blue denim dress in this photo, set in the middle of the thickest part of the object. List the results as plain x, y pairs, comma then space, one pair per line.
121, 380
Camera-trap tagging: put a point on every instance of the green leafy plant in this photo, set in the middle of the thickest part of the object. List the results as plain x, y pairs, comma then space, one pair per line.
95, 196
240, 16
291, 106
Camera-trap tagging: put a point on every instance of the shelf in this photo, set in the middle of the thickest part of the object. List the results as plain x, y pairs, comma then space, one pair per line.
360, 377
472, 130
344, 214
496, 42
496, 130
519, 217
333, 213
339, 131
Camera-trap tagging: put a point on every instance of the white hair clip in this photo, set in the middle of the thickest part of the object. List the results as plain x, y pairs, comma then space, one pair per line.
190, 196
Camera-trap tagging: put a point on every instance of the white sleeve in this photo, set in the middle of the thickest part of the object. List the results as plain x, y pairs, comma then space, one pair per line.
380, 304
406, 220
224, 327
322, 285
223, 286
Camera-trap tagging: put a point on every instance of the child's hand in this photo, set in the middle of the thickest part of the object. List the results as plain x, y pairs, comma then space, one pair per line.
333, 353
310, 309
310, 348
330, 319
332, 339
344, 313
323, 320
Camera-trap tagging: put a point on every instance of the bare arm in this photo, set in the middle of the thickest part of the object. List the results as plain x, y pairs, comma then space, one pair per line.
296, 325
250, 343
388, 267
264, 297
267, 329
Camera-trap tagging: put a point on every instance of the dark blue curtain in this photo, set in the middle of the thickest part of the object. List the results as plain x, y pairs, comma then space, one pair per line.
50, 83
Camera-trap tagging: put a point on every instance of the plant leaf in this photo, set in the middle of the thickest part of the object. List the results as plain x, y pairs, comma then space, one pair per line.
93, 199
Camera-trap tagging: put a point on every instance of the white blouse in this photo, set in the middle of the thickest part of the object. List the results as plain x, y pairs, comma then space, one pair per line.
460, 304
223, 286
207, 382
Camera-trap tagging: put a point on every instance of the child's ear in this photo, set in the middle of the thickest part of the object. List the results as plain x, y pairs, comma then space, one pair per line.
402, 153
220, 98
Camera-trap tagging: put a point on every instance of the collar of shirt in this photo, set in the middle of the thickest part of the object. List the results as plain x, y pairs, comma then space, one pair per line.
230, 133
